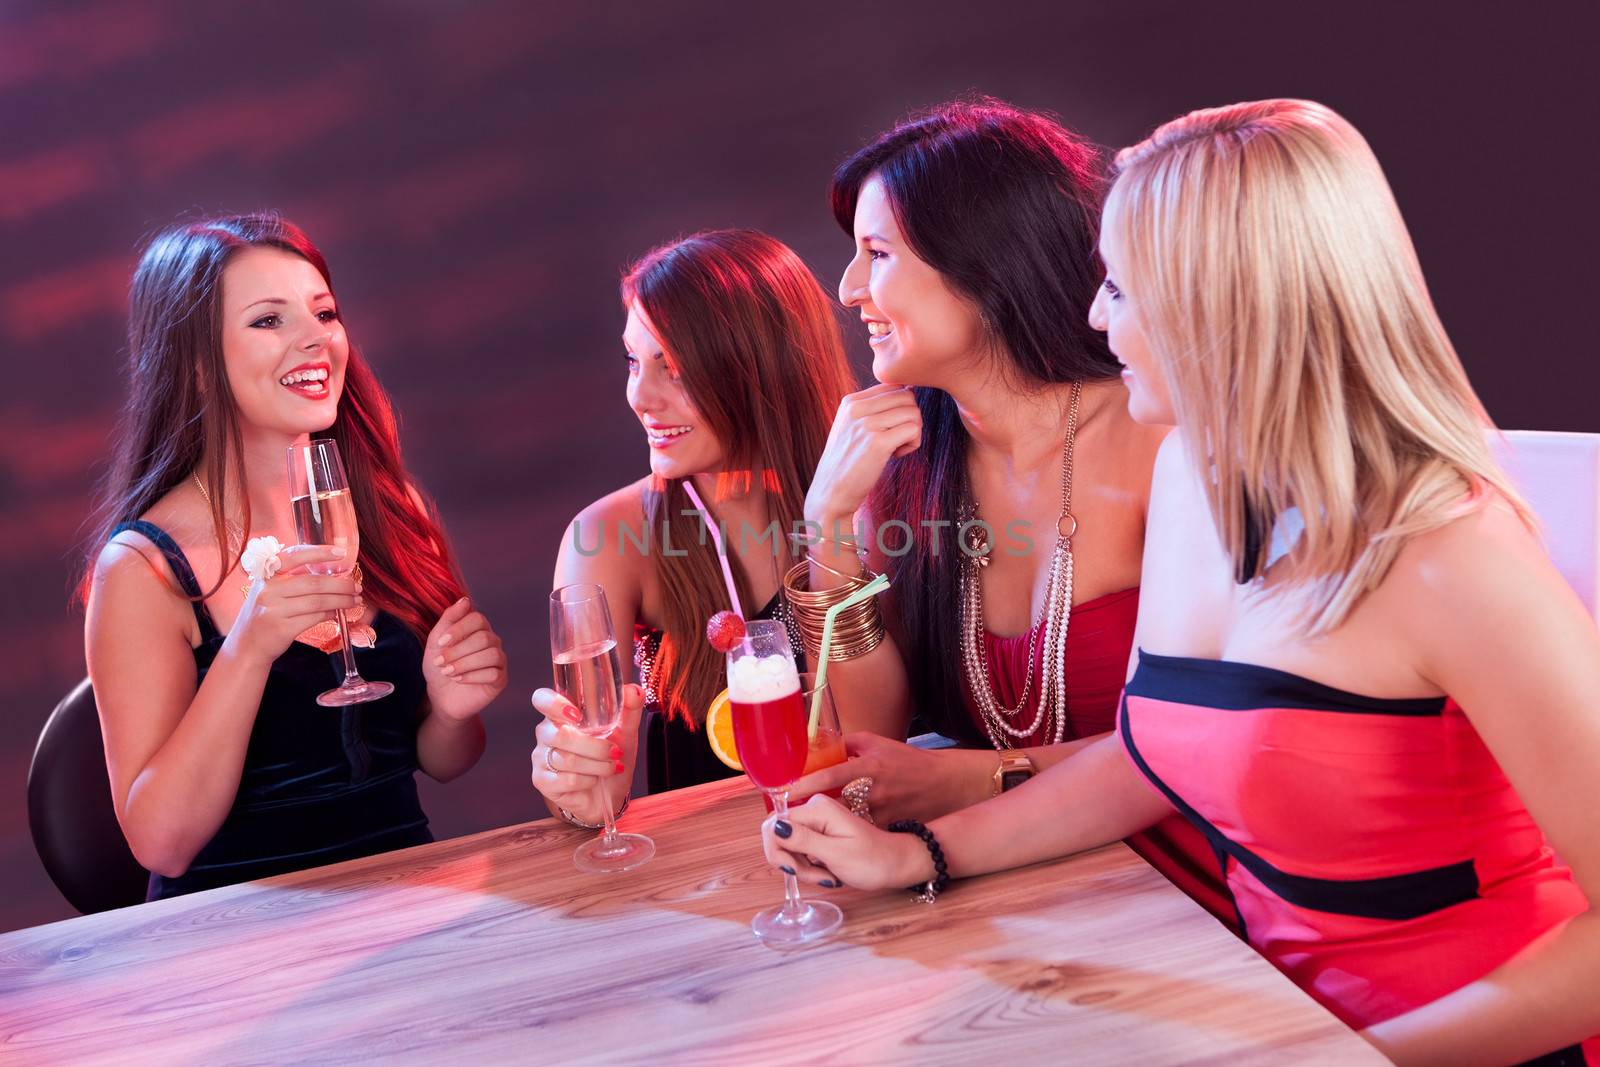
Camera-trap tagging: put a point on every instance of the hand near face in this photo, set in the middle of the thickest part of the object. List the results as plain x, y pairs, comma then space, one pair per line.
871, 427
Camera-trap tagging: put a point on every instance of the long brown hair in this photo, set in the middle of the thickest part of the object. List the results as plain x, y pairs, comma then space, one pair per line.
757, 344
1005, 205
180, 409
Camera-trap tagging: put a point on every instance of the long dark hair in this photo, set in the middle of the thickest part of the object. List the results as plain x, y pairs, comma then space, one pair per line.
1005, 204
180, 409
758, 345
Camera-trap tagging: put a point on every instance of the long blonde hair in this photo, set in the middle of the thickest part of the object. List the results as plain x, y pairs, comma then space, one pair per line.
1281, 294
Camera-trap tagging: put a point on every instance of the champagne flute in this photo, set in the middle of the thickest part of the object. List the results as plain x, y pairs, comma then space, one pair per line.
325, 514
770, 702
588, 668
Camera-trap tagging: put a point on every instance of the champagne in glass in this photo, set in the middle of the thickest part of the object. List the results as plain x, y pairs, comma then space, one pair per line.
591, 677
328, 519
325, 514
588, 670
770, 702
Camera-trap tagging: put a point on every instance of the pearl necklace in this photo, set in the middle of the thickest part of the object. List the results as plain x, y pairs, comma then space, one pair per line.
1052, 711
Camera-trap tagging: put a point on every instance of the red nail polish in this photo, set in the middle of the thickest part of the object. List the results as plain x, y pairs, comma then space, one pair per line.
620, 768
616, 753
575, 715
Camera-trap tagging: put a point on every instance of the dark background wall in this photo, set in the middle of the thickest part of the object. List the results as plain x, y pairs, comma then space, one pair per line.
478, 173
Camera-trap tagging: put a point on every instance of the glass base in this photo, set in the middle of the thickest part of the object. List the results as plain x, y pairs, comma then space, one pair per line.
360, 693
623, 852
816, 920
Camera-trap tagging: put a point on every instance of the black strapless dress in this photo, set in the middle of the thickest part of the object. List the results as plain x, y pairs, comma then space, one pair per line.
675, 750
319, 785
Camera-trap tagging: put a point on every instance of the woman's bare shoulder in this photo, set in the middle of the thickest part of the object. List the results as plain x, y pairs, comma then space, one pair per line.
123, 552
1479, 556
133, 588
1174, 482
608, 543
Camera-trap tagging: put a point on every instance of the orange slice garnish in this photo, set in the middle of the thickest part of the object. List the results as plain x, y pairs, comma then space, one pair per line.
719, 731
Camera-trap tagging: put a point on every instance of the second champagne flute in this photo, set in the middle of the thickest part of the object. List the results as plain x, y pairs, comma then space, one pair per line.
583, 646
325, 514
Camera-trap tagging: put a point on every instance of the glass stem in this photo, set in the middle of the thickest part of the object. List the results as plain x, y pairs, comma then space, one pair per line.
352, 677
792, 904
609, 834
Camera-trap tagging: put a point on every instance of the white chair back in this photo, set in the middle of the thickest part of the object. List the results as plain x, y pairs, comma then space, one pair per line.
1559, 475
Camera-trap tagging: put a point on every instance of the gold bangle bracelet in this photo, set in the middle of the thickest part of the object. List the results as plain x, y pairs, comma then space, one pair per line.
861, 577
857, 630
813, 620
797, 581
845, 629
796, 587
840, 653
846, 649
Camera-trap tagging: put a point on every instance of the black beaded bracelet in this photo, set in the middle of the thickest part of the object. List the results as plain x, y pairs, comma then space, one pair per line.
929, 891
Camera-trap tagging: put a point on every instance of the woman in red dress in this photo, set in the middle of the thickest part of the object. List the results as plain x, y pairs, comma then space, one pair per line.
974, 265
1359, 676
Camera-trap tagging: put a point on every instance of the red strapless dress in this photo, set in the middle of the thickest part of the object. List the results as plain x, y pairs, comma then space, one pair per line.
1378, 855
1099, 640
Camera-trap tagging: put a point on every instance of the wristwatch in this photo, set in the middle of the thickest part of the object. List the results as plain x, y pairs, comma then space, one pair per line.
1014, 769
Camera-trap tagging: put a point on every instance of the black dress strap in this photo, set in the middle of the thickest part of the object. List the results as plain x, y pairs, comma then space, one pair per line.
180, 570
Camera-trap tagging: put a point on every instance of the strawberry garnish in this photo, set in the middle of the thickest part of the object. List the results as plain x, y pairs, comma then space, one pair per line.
725, 630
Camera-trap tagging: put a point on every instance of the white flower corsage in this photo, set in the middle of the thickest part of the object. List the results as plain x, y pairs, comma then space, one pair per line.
260, 558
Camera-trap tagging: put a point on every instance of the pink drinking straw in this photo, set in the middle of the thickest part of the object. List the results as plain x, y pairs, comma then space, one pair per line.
722, 546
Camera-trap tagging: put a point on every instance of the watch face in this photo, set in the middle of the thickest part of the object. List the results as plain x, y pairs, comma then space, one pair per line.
1012, 779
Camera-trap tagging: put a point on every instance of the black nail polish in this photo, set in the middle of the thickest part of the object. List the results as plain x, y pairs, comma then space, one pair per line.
828, 883
782, 829
786, 870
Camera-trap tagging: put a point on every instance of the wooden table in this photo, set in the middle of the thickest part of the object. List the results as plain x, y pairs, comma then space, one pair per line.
494, 949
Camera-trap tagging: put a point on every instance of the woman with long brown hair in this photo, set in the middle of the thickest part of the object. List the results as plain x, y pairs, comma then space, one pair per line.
1358, 673
1000, 419
223, 766
735, 365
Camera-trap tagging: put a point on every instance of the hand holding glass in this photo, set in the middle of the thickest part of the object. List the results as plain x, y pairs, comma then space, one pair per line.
325, 514
770, 703
583, 646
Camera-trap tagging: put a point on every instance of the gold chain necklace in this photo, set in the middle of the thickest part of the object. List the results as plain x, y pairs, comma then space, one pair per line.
1052, 710
235, 534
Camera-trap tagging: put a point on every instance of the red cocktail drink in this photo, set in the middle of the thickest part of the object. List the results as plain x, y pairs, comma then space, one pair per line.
827, 749
770, 711
770, 736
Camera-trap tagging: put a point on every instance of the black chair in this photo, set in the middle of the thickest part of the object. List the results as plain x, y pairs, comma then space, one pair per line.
74, 824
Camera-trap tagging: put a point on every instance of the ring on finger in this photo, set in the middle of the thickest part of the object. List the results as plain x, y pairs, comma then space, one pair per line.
855, 795
549, 754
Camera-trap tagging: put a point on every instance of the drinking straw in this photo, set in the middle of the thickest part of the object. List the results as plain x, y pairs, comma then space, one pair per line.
722, 546
871, 589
